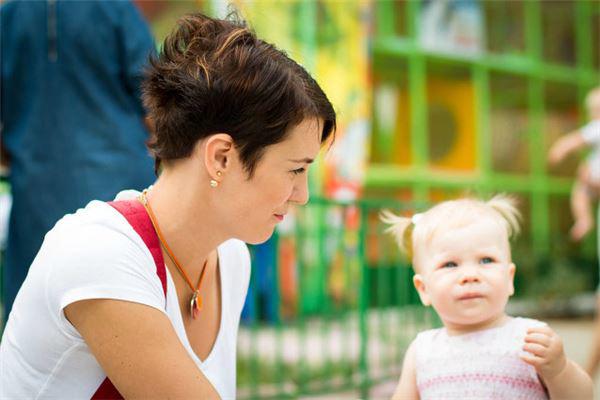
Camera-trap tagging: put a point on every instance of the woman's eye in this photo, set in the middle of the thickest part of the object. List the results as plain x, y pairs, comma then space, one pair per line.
486, 260
449, 264
298, 171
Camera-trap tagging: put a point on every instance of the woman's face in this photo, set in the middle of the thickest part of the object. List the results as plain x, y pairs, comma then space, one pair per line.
280, 180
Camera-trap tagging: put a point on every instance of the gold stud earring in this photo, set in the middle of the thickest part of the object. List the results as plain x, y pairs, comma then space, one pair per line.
213, 182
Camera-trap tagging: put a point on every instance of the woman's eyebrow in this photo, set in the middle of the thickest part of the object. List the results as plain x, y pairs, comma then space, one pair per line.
302, 160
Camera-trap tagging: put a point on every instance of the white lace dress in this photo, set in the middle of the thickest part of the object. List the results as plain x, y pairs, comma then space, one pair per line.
478, 365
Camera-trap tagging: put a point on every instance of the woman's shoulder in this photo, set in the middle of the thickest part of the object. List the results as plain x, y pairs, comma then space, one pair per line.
92, 254
96, 226
94, 244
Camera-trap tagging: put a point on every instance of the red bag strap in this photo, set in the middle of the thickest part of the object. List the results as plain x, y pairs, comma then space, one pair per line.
135, 213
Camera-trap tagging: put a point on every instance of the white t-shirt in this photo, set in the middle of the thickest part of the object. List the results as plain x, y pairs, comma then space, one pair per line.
93, 254
591, 134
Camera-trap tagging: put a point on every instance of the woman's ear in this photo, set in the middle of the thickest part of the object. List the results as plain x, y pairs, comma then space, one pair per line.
218, 155
420, 286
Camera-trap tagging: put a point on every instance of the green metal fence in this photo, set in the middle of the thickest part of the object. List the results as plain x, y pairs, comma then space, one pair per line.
520, 72
518, 94
353, 315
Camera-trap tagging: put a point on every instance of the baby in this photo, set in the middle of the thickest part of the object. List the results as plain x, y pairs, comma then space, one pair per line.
461, 255
587, 184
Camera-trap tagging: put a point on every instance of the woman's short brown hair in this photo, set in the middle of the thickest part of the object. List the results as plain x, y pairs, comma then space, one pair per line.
216, 76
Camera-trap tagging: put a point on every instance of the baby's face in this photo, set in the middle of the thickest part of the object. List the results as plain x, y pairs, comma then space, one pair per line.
466, 274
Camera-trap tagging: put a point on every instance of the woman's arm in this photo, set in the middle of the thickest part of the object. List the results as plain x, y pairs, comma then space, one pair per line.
407, 386
139, 350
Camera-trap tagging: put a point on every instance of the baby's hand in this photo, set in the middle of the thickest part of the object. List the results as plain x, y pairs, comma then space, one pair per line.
545, 352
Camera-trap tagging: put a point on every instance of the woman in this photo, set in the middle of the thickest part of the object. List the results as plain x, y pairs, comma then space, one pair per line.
237, 123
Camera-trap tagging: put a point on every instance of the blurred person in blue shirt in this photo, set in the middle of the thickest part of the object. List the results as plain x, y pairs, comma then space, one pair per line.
72, 119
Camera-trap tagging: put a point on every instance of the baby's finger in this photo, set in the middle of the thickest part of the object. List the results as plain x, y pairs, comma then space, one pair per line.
538, 338
535, 349
543, 329
531, 360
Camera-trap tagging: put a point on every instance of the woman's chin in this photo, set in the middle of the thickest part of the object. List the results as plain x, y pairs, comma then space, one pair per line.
259, 238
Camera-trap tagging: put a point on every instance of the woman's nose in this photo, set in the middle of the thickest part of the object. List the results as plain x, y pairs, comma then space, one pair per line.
300, 192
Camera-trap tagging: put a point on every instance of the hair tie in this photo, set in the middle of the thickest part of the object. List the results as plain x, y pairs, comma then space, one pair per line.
416, 218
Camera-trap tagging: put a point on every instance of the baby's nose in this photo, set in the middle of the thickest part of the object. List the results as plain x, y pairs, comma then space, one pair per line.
469, 275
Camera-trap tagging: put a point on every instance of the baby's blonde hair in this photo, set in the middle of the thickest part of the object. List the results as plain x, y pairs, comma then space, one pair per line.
451, 214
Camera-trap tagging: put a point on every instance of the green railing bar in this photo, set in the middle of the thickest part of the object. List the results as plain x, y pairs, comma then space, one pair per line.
384, 15
388, 356
300, 243
583, 17
363, 202
583, 44
379, 141
324, 232
401, 48
275, 262
418, 115
394, 46
482, 110
539, 199
389, 176
380, 299
417, 83
363, 307
307, 28
383, 142
393, 303
533, 27
277, 300
412, 16
341, 308
348, 286
404, 293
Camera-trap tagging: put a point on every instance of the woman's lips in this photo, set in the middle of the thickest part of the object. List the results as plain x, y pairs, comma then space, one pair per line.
279, 216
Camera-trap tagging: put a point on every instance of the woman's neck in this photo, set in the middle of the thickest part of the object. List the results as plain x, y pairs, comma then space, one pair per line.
188, 225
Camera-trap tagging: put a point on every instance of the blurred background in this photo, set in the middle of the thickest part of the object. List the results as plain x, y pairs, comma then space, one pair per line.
436, 99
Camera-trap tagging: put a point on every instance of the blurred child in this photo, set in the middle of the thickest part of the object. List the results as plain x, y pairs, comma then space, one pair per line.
587, 185
461, 255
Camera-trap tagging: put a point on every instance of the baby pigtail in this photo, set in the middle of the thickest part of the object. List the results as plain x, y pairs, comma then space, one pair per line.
401, 228
506, 206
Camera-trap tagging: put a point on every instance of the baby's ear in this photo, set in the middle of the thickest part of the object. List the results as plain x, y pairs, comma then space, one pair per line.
420, 286
511, 274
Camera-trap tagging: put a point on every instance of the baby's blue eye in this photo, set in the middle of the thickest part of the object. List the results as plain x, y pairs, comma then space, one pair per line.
449, 264
486, 260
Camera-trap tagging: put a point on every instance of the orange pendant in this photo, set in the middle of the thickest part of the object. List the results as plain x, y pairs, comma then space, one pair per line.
195, 305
